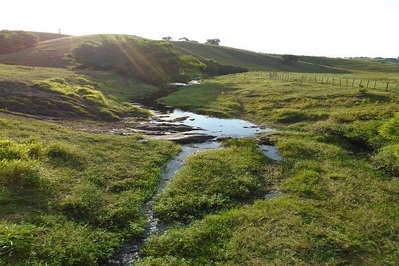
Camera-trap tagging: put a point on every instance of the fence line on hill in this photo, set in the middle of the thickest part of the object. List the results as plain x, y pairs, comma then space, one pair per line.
347, 82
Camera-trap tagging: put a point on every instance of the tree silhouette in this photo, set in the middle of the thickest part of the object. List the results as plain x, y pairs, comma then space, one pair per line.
168, 38
213, 41
184, 39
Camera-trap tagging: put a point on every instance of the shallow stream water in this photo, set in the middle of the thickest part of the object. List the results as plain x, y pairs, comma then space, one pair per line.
217, 127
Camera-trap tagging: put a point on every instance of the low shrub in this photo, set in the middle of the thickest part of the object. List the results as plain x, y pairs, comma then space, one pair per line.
390, 130
303, 147
11, 150
84, 203
288, 116
19, 174
64, 156
388, 158
306, 183
16, 242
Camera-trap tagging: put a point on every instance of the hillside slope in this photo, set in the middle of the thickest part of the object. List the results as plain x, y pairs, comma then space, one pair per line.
52, 51
250, 60
49, 53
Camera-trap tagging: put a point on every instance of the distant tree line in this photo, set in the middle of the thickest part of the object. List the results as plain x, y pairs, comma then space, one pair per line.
11, 41
208, 41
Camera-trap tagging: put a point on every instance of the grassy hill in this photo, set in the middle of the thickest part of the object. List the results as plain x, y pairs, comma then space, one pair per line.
52, 49
48, 53
44, 36
272, 62
250, 60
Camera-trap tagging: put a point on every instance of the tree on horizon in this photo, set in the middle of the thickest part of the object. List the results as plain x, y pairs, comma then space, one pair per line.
213, 41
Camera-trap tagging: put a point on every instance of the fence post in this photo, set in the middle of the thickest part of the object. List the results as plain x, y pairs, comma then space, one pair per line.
386, 89
360, 84
353, 82
346, 82
368, 81
375, 84
340, 82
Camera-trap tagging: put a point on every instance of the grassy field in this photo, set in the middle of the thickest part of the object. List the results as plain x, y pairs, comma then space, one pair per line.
257, 97
71, 198
338, 179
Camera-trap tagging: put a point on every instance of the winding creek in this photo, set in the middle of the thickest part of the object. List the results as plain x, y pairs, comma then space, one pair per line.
216, 129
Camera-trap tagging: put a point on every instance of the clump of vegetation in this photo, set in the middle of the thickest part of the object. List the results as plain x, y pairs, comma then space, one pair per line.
61, 86
79, 97
19, 168
390, 130
387, 157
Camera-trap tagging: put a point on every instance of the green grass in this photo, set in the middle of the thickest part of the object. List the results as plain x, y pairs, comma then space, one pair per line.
70, 94
335, 209
338, 179
70, 198
214, 180
281, 103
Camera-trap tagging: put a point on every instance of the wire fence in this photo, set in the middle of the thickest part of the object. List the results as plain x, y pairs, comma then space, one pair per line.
339, 81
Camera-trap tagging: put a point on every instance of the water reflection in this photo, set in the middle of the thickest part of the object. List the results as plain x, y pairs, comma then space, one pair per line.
220, 127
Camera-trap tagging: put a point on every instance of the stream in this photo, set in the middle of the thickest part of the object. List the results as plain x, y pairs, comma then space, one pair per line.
216, 127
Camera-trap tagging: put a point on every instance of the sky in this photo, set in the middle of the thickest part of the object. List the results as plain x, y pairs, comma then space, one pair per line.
331, 28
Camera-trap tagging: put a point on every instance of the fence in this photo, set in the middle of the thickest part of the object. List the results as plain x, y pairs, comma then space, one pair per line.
339, 81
